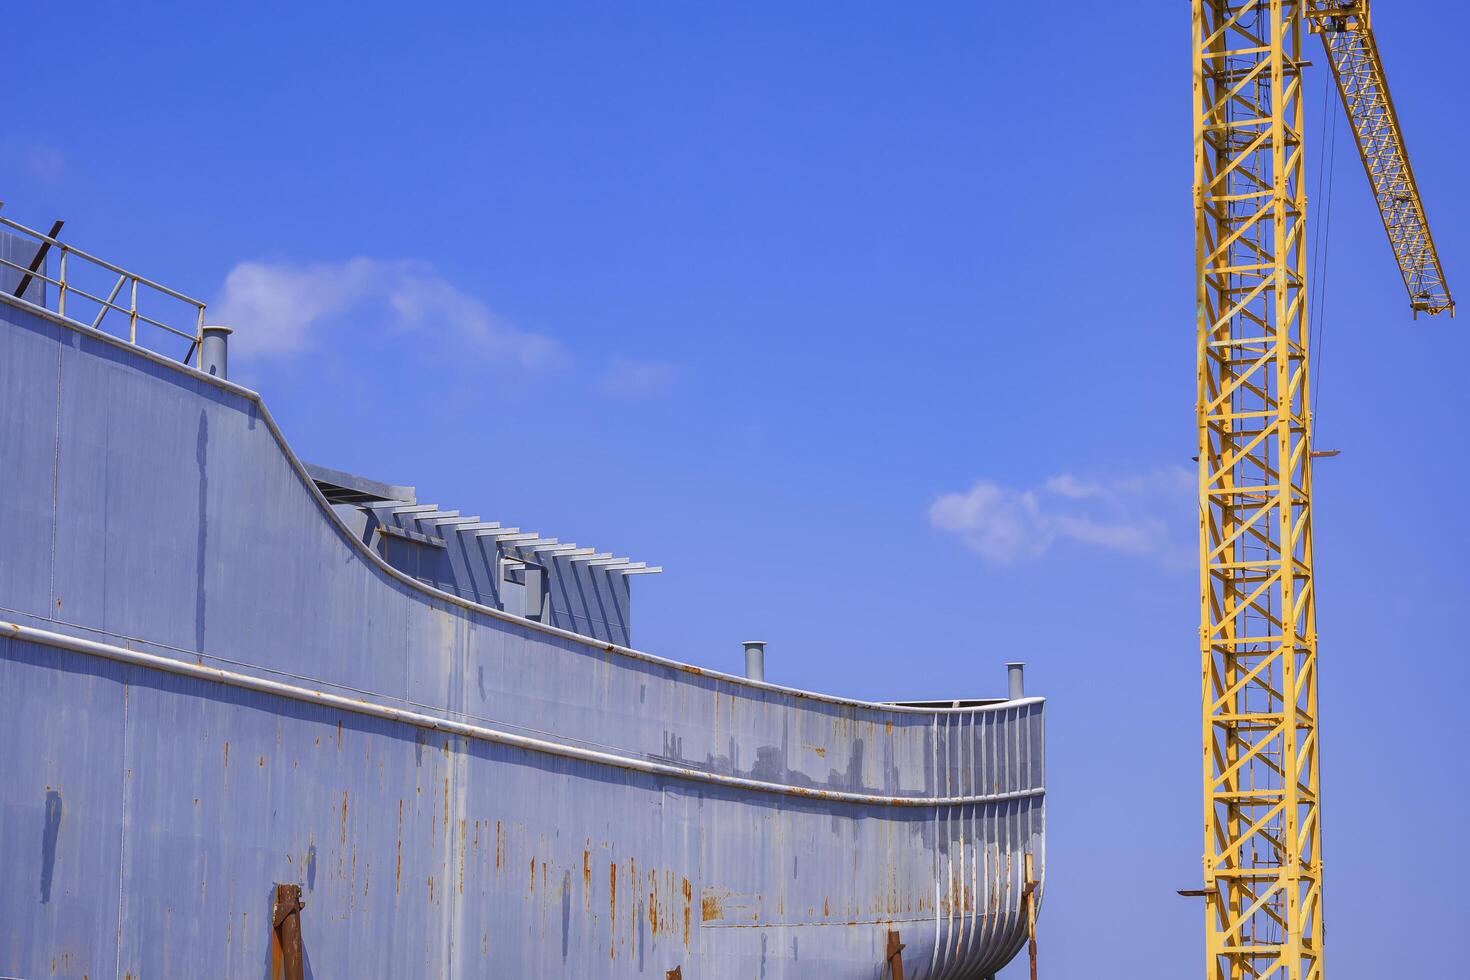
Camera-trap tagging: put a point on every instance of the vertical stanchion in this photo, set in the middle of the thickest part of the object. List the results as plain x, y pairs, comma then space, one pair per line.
895, 955
287, 961
1031, 913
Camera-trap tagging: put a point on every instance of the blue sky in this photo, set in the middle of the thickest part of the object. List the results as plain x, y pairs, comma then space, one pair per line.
870, 322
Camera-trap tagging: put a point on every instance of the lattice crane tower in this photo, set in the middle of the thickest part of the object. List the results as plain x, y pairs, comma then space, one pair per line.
1258, 636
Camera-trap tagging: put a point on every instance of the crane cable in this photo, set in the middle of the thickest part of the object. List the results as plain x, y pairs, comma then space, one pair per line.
1322, 237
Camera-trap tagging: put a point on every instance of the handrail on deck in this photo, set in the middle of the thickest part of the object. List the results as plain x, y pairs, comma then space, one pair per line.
67, 288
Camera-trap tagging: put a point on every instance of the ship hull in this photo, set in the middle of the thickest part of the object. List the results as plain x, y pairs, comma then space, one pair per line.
208, 686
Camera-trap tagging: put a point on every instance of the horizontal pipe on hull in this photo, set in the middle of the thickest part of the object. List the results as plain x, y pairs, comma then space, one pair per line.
373, 709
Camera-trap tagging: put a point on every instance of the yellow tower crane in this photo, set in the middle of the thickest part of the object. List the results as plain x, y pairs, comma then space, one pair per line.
1258, 634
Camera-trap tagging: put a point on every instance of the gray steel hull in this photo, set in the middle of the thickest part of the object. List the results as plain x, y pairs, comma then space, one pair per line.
207, 686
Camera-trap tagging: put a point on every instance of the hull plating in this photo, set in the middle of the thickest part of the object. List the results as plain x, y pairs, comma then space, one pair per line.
459, 793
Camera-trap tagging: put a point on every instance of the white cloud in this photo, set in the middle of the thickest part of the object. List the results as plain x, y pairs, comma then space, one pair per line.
1143, 514
279, 309
1069, 486
629, 377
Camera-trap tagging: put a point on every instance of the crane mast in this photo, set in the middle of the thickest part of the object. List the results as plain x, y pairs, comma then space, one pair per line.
1258, 638
1258, 634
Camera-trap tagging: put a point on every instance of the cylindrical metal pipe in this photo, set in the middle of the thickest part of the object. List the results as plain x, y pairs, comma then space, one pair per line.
214, 351
1016, 674
755, 660
355, 705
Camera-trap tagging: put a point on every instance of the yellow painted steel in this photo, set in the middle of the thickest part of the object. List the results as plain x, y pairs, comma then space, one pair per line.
1347, 35
1258, 638
1258, 634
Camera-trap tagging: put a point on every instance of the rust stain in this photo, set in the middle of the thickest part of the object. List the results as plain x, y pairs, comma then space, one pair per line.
339, 734
398, 865
826, 908
227, 755
612, 904
688, 906
888, 728
657, 910
820, 751
261, 762
446, 798
709, 907
461, 855
533, 876
342, 851
431, 889
498, 846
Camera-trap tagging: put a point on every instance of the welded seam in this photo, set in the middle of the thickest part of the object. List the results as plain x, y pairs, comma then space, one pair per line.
373, 709
122, 846
934, 768
55, 485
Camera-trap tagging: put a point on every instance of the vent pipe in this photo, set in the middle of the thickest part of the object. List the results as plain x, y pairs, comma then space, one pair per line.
755, 660
214, 352
1016, 674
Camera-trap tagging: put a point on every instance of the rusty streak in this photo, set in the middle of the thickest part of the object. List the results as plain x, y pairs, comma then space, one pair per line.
612, 904
688, 905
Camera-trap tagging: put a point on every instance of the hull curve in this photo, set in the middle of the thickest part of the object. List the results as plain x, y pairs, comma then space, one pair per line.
211, 686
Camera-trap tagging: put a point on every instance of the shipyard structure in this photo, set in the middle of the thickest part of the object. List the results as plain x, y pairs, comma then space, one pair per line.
263, 718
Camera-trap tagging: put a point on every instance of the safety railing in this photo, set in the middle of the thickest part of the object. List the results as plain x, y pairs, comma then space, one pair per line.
96, 293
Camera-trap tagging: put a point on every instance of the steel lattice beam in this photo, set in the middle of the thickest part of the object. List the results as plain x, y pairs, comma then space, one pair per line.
1258, 641
1347, 35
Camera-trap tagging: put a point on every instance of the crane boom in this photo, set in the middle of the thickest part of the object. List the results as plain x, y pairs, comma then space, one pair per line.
1347, 35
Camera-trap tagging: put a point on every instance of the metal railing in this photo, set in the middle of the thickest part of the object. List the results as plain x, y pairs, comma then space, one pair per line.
152, 310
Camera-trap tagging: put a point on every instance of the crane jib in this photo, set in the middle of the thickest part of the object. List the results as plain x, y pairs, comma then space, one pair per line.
1352, 51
